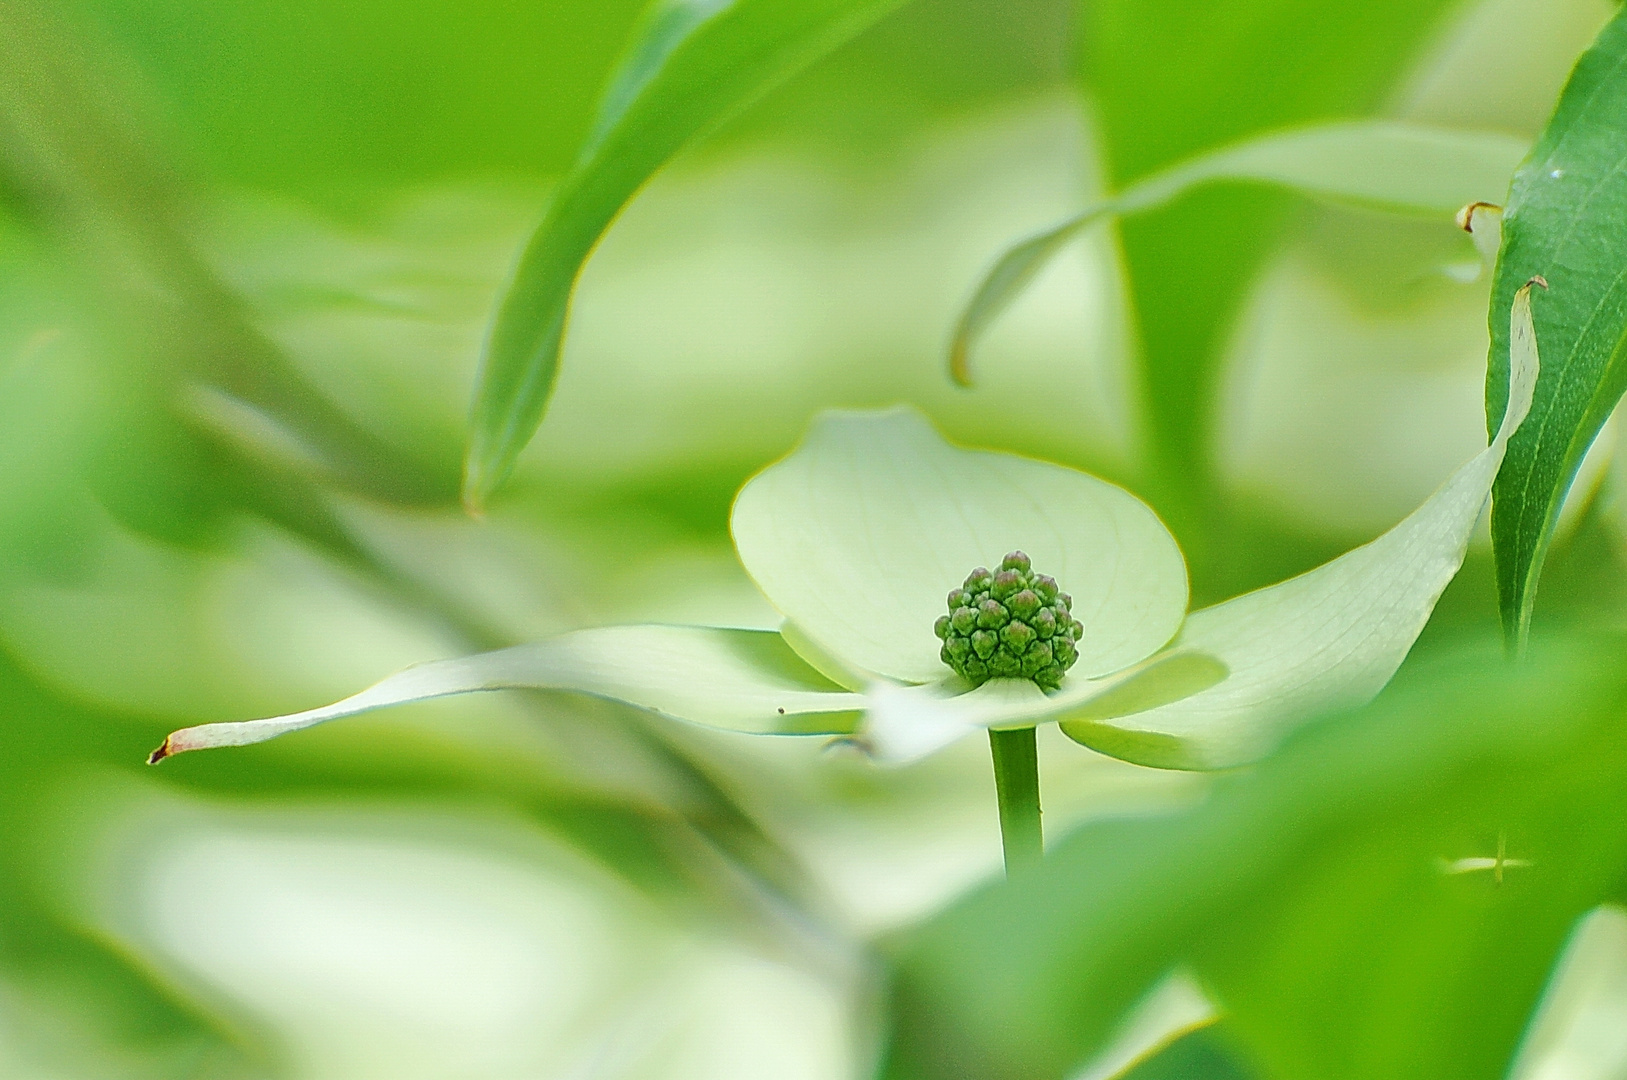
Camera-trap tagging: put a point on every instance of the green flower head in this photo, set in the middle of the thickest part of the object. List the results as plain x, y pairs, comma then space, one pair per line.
1012, 623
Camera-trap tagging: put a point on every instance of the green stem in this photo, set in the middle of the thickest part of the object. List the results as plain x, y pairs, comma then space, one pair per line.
1016, 785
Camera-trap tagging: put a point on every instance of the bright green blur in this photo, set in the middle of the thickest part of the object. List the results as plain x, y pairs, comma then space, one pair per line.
249, 255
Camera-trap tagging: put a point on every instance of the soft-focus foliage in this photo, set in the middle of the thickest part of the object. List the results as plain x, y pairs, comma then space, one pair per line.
250, 258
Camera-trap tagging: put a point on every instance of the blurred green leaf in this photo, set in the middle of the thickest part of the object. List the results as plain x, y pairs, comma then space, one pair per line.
1563, 222
326, 100
691, 64
1322, 898
1170, 79
1386, 165
92, 181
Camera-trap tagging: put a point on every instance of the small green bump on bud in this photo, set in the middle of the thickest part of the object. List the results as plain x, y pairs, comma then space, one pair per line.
1034, 663
1012, 623
1024, 603
1017, 635
991, 615
1006, 583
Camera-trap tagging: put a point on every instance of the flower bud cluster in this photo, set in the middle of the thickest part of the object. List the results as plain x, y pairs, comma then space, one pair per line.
1012, 623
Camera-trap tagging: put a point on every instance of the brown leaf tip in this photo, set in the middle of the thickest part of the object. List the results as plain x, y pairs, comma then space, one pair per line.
1465, 217
160, 754
1537, 279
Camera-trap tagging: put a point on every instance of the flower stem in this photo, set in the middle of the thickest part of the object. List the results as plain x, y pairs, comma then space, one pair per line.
1016, 784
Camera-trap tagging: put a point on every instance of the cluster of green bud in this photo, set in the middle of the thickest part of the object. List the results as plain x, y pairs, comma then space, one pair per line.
1012, 623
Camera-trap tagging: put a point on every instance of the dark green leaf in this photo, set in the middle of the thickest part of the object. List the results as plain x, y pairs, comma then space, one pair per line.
1318, 897
692, 63
1564, 222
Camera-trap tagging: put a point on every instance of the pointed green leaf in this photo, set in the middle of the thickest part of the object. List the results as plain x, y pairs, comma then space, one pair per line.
861, 533
691, 64
909, 722
1388, 165
740, 680
1563, 222
1328, 639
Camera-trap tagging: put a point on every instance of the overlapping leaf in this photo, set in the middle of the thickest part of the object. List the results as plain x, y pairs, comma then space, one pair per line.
1170, 80
1399, 167
1316, 897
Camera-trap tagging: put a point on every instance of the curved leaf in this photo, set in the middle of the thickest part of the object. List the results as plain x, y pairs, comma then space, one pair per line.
1563, 222
861, 533
739, 680
1389, 165
1169, 79
1328, 639
691, 64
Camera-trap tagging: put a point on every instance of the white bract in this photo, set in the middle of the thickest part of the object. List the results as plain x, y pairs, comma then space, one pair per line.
858, 536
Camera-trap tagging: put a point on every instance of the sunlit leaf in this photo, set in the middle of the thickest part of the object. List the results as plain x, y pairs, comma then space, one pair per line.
741, 680
861, 533
692, 63
1563, 222
1388, 165
1330, 638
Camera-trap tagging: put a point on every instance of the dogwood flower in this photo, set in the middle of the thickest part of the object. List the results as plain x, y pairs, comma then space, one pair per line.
859, 534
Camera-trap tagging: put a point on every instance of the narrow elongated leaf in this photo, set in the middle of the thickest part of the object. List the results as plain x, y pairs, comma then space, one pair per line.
692, 63
861, 533
1328, 639
1386, 164
741, 680
1563, 222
